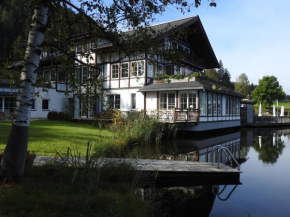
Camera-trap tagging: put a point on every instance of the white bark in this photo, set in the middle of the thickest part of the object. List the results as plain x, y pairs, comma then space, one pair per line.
32, 58
14, 157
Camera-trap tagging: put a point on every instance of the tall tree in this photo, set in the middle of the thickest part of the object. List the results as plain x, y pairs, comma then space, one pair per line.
212, 75
242, 84
267, 91
16, 148
109, 20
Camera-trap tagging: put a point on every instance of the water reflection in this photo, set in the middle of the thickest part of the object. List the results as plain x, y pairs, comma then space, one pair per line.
269, 145
264, 192
181, 201
201, 150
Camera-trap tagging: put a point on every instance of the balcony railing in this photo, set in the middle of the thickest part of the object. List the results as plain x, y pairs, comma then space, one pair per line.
177, 115
192, 59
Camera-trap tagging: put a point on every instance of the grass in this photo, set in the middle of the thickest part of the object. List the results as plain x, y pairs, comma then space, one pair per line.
46, 137
71, 187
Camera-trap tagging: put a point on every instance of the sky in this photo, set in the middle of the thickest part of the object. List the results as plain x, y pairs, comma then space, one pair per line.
249, 36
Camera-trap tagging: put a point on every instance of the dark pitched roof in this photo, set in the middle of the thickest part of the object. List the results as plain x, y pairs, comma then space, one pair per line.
199, 41
163, 28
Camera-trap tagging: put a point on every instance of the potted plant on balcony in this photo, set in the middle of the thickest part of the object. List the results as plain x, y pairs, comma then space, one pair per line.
159, 77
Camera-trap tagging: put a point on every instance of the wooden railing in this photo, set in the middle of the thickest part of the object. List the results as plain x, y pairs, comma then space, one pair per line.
192, 59
176, 115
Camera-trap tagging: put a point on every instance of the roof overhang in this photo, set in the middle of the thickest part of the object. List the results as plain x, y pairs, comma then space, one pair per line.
169, 89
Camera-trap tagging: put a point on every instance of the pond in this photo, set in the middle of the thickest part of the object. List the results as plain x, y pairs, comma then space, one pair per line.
264, 191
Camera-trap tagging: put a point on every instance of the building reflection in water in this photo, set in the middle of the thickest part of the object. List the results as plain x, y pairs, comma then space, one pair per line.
202, 150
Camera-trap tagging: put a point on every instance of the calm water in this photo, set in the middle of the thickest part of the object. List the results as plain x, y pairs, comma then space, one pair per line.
265, 189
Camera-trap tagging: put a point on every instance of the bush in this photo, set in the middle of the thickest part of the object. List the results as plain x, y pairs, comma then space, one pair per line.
67, 116
60, 116
52, 115
137, 129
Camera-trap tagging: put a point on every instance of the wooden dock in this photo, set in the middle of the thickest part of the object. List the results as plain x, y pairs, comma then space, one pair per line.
175, 173
268, 121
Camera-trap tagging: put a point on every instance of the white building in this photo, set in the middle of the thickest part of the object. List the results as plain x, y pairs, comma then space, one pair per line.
127, 81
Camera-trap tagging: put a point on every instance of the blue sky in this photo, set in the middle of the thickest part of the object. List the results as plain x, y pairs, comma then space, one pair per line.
249, 36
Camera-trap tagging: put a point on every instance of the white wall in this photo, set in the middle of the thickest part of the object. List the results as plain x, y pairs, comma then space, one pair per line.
57, 102
151, 100
126, 100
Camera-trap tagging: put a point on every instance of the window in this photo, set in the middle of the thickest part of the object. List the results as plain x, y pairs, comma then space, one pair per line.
115, 70
214, 104
33, 104
230, 105
53, 75
219, 108
227, 105
9, 103
238, 106
78, 48
77, 75
133, 100
234, 106
209, 104
85, 47
125, 70
159, 68
61, 76
114, 101
203, 103
167, 101
46, 75
45, 104
137, 68
168, 69
187, 100
85, 75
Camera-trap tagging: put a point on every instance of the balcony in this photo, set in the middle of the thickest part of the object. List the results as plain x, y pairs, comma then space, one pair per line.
177, 115
193, 60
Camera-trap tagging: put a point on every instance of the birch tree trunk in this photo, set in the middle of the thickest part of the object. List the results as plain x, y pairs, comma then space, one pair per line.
16, 149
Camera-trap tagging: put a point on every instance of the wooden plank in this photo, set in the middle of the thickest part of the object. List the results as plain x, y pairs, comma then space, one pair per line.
159, 165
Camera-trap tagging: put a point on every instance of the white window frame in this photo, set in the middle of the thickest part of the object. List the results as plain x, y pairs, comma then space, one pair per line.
209, 103
214, 104
49, 76
114, 104
219, 104
169, 106
139, 72
188, 99
203, 103
113, 69
82, 74
121, 66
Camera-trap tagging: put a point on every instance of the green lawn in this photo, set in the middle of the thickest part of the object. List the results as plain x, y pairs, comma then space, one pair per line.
45, 136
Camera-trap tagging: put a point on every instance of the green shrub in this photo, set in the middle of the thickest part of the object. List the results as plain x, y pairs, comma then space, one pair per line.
60, 116
67, 116
137, 129
52, 115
